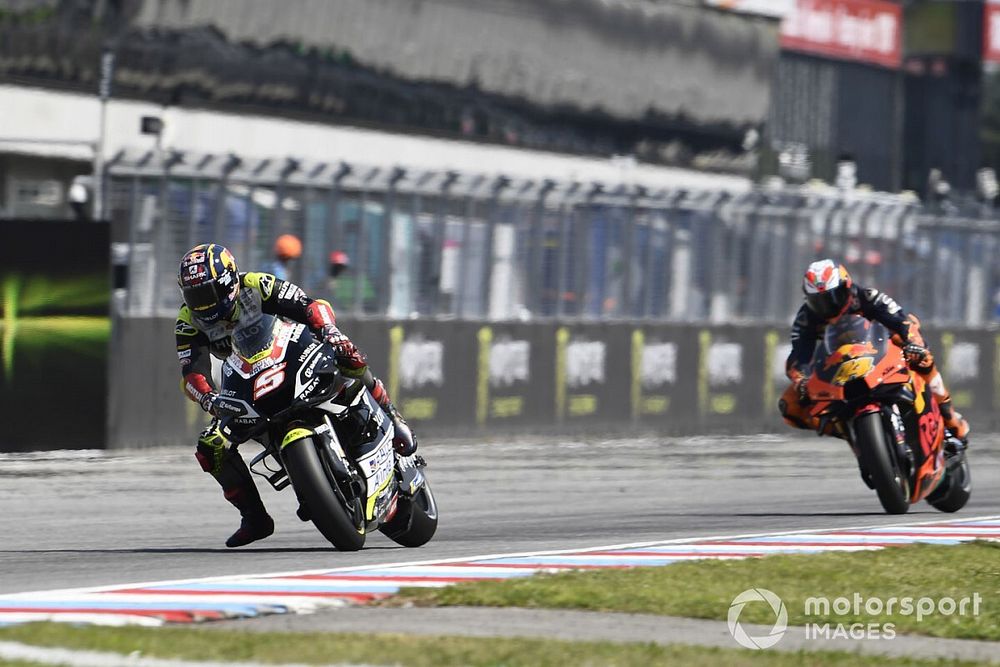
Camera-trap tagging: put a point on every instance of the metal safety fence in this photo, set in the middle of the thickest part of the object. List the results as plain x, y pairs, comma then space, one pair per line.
467, 246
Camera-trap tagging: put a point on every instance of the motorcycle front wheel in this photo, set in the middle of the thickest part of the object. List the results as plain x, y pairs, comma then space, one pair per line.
880, 464
315, 491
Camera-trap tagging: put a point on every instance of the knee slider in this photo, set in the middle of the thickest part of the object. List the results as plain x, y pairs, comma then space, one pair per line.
212, 437
211, 450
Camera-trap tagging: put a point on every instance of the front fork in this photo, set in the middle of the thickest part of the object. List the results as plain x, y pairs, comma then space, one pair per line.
895, 430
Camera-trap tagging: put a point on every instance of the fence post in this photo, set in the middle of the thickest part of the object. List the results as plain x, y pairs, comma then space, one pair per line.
438, 240
389, 210
497, 187
562, 258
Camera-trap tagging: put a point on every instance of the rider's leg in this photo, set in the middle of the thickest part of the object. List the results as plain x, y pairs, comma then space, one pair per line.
796, 415
793, 412
953, 419
404, 441
355, 365
224, 463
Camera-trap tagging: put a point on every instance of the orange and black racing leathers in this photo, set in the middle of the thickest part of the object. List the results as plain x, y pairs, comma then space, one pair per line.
259, 293
877, 306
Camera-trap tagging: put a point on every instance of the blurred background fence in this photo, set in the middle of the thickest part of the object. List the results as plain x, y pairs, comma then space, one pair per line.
459, 245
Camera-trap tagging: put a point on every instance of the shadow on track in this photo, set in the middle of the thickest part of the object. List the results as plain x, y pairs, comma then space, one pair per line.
183, 550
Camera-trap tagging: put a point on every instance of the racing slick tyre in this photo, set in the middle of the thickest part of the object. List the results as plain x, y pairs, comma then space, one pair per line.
315, 491
877, 459
416, 519
955, 489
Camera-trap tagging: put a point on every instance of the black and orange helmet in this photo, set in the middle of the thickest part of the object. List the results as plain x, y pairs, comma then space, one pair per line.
209, 282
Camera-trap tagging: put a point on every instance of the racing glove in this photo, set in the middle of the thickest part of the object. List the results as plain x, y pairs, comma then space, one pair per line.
207, 402
349, 357
917, 356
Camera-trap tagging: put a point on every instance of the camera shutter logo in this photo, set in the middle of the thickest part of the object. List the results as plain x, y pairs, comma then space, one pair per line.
762, 641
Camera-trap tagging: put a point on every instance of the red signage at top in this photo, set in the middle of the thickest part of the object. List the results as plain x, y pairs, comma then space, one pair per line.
991, 32
866, 30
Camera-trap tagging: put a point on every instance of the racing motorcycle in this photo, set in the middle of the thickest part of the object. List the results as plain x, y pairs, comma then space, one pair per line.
324, 435
862, 389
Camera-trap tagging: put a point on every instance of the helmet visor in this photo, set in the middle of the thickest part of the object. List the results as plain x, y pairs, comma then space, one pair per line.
202, 297
209, 301
827, 304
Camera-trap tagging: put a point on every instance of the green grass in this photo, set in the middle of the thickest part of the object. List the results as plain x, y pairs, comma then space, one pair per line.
705, 589
320, 648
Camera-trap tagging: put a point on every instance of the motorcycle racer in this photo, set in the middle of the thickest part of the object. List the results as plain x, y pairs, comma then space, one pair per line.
831, 293
219, 301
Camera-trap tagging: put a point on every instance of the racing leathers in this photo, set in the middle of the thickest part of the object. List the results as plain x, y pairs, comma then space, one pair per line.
880, 307
261, 293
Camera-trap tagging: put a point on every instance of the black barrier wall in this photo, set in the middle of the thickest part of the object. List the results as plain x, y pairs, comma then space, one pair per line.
455, 378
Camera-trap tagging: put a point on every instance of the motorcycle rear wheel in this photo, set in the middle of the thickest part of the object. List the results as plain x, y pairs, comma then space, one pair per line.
877, 460
955, 489
314, 490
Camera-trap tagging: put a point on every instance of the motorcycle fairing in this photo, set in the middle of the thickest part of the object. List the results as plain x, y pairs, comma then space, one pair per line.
854, 349
928, 449
858, 367
351, 433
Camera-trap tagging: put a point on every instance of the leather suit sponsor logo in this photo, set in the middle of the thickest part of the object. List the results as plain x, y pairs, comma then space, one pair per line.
182, 328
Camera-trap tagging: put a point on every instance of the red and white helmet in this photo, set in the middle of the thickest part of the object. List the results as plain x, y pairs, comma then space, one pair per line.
827, 287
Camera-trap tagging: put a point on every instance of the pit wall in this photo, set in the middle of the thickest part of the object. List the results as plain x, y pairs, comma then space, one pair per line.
491, 379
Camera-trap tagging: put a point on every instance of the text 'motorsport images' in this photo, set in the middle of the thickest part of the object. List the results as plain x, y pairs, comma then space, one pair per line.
562, 332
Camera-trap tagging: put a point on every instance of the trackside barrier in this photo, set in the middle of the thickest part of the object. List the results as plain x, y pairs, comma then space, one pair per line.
454, 378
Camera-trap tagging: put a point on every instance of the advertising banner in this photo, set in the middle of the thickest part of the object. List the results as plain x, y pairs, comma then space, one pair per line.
991, 31
664, 362
431, 371
864, 30
591, 373
720, 375
513, 375
54, 332
479, 377
776, 351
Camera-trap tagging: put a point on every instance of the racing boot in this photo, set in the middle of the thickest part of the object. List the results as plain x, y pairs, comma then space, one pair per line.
954, 421
229, 469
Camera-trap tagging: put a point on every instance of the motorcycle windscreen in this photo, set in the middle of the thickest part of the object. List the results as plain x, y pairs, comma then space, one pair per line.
854, 330
852, 346
253, 340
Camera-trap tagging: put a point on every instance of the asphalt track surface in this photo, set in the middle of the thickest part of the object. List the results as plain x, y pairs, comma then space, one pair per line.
73, 519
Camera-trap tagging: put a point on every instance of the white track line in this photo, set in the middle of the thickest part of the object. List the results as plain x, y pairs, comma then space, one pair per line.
61, 656
464, 559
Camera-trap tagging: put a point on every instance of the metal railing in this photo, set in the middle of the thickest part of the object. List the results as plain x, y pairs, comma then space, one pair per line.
451, 245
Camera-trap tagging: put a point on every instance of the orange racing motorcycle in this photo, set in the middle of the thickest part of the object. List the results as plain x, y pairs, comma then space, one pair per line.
861, 389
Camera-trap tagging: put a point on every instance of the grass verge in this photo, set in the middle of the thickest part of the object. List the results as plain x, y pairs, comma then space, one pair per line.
705, 589
319, 648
